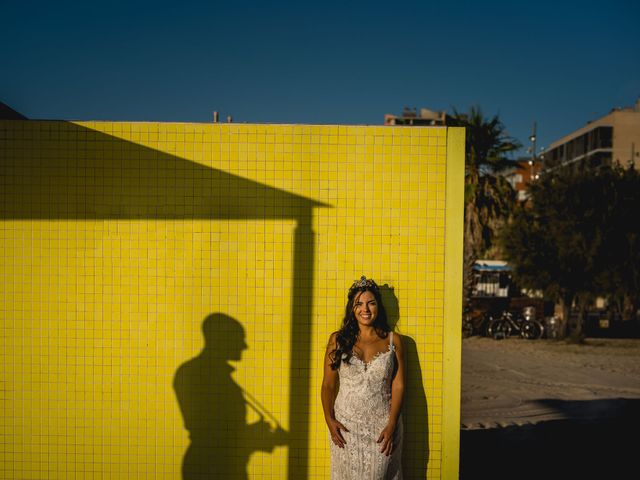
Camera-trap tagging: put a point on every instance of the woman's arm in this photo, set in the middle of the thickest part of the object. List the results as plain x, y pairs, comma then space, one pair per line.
328, 394
397, 394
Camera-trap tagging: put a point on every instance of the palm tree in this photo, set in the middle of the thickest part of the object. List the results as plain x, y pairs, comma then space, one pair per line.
488, 196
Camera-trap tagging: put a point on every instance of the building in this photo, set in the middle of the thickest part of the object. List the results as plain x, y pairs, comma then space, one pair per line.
523, 172
614, 138
491, 278
410, 117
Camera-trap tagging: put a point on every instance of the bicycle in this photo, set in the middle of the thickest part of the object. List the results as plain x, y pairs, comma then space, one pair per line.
508, 324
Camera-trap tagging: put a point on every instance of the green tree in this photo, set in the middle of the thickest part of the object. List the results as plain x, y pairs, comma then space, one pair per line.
488, 196
620, 263
575, 240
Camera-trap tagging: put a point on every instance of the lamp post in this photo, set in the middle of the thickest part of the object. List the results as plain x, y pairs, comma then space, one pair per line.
532, 139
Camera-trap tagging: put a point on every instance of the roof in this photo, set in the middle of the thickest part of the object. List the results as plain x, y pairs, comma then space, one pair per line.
8, 113
491, 266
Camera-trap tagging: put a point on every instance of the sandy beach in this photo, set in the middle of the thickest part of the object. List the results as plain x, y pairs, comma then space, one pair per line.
549, 409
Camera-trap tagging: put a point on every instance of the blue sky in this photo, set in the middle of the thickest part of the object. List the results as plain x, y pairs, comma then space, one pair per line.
558, 63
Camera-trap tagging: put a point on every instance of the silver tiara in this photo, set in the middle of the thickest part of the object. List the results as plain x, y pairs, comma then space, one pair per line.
364, 282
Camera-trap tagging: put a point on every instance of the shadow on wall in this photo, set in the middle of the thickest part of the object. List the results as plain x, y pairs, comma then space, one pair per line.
214, 407
598, 440
415, 454
58, 170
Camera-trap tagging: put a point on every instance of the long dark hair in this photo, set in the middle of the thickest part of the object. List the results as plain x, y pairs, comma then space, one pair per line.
347, 336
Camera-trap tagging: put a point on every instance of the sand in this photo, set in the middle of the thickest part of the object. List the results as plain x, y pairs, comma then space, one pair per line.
549, 409
518, 382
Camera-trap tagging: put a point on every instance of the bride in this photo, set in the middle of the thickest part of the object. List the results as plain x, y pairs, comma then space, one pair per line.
362, 390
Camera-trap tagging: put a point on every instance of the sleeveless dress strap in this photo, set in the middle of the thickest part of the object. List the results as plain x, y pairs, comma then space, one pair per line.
391, 346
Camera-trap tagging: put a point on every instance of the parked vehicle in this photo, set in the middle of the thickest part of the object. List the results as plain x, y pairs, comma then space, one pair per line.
524, 325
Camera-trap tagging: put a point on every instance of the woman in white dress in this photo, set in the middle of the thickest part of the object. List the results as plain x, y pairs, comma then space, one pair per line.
362, 390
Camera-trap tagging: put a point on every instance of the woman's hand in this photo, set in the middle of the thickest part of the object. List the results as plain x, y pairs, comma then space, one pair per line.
335, 428
386, 438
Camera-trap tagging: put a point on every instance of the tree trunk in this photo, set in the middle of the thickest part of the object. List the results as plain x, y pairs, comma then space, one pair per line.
567, 301
630, 305
577, 332
469, 260
470, 254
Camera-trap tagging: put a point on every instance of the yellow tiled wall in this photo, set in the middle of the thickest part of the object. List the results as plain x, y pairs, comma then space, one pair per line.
118, 240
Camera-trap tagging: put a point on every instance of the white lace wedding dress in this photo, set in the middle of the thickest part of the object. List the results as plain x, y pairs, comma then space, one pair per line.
362, 405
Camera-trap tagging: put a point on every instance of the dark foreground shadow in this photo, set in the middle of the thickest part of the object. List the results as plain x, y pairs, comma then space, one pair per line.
415, 414
214, 407
599, 441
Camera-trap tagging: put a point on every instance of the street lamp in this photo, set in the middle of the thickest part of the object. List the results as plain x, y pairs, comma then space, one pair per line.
532, 139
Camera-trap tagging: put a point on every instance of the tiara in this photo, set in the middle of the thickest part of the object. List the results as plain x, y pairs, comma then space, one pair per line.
364, 282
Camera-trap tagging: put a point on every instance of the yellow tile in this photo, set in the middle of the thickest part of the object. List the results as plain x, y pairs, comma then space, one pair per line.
217, 224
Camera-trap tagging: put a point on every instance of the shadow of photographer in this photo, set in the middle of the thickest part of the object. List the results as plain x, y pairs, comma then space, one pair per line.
214, 407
